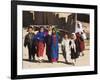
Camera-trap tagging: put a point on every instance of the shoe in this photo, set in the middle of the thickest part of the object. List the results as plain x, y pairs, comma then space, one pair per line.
73, 64
75, 60
82, 54
40, 61
66, 62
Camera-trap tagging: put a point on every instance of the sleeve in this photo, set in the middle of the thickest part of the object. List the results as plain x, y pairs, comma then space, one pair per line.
74, 47
71, 44
45, 34
62, 43
57, 38
36, 36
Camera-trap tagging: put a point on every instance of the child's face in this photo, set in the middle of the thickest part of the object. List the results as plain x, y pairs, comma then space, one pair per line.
66, 36
50, 28
54, 31
30, 30
73, 36
78, 26
41, 30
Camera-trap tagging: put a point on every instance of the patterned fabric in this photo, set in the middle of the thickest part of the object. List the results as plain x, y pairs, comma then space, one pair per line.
40, 47
40, 37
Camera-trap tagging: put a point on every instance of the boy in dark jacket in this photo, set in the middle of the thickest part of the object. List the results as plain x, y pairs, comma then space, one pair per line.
29, 42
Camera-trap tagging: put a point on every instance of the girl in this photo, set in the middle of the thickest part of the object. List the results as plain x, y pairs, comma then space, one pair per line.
54, 46
79, 32
81, 44
40, 36
66, 48
48, 40
74, 48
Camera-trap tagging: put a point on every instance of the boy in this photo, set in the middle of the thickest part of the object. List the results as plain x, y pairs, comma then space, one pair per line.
29, 42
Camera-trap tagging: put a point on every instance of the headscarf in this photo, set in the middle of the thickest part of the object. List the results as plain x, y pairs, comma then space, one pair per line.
79, 29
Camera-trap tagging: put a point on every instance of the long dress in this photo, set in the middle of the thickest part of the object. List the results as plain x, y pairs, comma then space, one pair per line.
40, 43
81, 42
79, 32
48, 46
54, 48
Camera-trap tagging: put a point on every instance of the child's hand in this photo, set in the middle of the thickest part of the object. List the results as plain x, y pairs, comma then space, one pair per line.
38, 38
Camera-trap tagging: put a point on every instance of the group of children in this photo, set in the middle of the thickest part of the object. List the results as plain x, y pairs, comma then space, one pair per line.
37, 43
47, 41
71, 47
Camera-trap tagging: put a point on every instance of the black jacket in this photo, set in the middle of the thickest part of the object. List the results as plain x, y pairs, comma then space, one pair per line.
29, 41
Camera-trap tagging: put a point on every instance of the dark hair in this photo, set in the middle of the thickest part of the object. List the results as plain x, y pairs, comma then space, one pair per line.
29, 27
50, 25
68, 34
65, 33
73, 35
54, 29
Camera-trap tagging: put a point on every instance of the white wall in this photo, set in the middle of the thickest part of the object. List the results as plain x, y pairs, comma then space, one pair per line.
5, 29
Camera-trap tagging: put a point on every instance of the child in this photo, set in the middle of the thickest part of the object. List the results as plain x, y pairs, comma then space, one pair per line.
66, 48
81, 43
29, 43
54, 46
74, 48
40, 36
80, 37
48, 40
